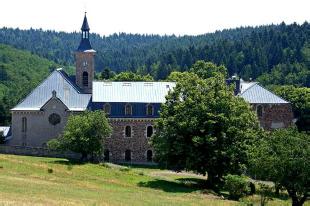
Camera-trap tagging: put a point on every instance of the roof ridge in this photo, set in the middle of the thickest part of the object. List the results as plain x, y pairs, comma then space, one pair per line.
21, 101
66, 76
254, 83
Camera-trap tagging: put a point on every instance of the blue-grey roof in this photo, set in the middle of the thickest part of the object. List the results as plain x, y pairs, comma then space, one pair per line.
85, 26
7, 132
139, 92
65, 89
85, 46
254, 93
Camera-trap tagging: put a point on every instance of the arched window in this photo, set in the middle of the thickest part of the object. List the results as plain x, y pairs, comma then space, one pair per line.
259, 110
24, 124
85, 79
128, 109
149, 131
107, 108
128, 131
106, 155
149, 110
128, 155
149, 155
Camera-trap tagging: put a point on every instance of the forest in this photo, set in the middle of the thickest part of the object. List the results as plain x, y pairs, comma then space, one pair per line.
279, 53
273, 55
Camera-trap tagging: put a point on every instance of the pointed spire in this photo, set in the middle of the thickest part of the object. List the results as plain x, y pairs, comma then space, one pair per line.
85, 26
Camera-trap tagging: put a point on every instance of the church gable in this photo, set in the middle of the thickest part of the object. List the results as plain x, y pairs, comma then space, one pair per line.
54, 103
66, 92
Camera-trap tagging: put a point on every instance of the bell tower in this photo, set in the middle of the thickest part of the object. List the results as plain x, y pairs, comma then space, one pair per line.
84, 61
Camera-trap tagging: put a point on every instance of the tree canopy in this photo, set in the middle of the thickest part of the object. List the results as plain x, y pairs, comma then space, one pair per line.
282, 156
130, 76
299, 97
84, 133
205, 128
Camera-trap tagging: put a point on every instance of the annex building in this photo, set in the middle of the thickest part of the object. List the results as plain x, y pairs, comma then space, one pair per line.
132, 107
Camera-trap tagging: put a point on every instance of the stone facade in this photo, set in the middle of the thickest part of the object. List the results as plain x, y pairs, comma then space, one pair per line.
274, 116
85, 63
137, 144
38, 130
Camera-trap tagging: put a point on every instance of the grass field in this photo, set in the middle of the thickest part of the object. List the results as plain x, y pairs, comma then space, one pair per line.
51, 181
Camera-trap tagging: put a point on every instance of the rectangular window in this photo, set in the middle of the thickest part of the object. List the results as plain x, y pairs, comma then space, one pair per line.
24, 124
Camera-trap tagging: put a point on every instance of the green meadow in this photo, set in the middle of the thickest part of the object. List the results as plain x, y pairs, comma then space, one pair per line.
28, 180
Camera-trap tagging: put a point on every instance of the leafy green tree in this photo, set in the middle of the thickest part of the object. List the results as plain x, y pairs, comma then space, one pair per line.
107, 74
84, 133
205, 128
208, 69
283, 157
299, 97
130, 76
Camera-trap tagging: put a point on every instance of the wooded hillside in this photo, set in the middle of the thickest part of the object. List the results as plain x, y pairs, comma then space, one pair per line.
269, 52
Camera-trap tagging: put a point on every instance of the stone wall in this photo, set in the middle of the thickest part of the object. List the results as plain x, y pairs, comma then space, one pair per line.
36, 151
138, 144
275, 116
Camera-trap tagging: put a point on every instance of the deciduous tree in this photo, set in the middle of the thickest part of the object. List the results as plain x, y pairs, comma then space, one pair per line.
84, 134
205, 128
283, 157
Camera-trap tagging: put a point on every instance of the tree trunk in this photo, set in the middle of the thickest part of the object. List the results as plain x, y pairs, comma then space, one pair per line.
295, 200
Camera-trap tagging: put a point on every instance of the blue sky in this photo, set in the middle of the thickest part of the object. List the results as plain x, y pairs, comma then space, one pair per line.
178, 17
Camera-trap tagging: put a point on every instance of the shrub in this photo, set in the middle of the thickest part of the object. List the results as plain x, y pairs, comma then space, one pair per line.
265, 192
124, 169
50, 170
141, 173
104, 165
236, 185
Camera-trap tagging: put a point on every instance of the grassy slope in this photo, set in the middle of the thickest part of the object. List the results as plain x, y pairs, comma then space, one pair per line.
26, 181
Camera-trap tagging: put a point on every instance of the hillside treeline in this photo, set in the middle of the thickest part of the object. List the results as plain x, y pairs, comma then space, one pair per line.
276, 54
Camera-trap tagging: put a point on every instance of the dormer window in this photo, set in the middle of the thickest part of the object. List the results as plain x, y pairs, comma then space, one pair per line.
149, 110
128, 109
107, 108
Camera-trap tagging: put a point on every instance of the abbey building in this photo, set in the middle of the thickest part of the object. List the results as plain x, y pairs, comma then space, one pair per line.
132, 107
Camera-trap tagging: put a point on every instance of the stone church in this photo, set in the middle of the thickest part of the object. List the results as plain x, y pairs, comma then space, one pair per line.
132, 107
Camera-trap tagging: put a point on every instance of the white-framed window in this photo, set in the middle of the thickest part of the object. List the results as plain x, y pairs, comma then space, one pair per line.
128, 109
149, 131
107, 108
149, 110
128, 131
85, 63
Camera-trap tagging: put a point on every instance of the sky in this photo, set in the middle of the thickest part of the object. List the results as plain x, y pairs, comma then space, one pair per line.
179, 17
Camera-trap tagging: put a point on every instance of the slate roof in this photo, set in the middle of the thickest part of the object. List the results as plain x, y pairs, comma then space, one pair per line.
139, 92
85, 26
7, 132
254, 93
66, 91
85, 46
